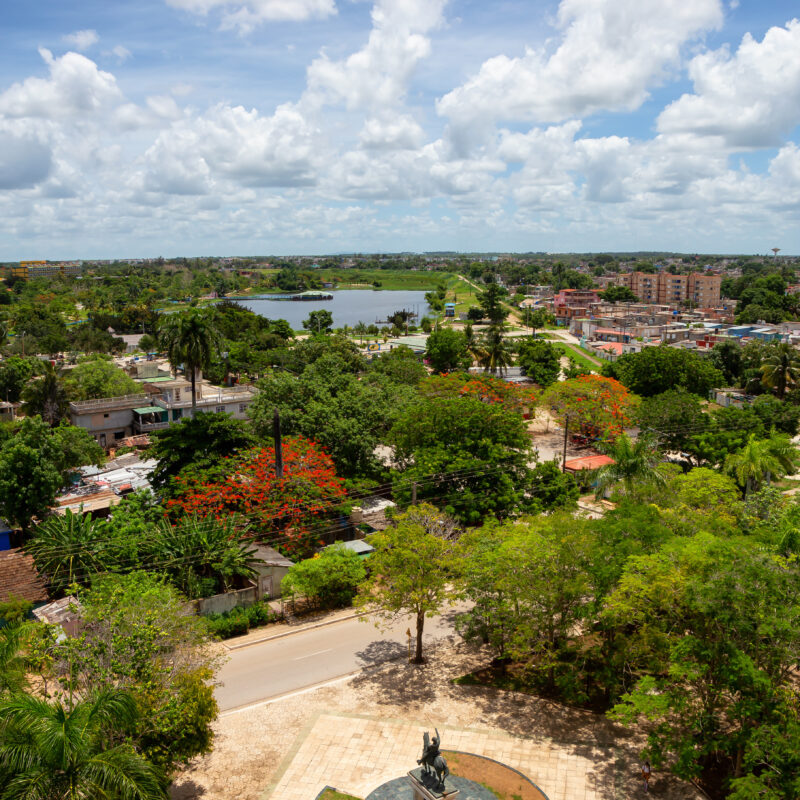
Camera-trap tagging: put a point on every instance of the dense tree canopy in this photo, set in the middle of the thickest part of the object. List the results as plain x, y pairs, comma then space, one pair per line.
657, 369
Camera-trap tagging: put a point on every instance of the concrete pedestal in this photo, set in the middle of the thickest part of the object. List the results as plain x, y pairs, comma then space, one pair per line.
426, 786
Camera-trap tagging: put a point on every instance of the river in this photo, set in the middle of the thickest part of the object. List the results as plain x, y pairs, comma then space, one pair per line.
349, 307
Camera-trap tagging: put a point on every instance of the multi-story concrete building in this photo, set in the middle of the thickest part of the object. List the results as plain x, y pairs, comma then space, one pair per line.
663, 287
45, 269
569, 303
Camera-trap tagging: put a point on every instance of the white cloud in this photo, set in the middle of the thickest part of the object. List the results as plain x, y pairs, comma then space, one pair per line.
377, 75
75, 87
751, 98
611, 52
390, 132
82, 40
24, 161
122, 53
248, 14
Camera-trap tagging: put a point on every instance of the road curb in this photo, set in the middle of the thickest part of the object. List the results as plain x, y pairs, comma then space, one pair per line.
284, 634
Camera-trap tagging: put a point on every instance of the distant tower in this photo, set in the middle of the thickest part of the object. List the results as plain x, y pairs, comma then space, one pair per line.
775, 251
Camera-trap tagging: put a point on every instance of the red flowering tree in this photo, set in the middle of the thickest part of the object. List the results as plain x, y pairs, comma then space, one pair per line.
486, 388
596, 406
290, 512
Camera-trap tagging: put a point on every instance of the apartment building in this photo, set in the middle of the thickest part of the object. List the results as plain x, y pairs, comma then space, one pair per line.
45, 269
570, 303
663, 287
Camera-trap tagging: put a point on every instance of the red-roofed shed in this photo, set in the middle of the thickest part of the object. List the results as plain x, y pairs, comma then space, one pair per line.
587, 462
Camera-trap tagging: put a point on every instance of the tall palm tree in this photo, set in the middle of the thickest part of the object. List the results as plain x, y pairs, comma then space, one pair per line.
65, 550
495, 354
53, 751
635, 462
760, 460
781, 370
360, 330
192, 339
46, 396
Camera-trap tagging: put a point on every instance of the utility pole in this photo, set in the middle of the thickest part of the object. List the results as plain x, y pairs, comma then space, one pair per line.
566, 432
276, 433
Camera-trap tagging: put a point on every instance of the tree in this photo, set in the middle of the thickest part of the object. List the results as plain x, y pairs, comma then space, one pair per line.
446, 351
657, 369
673, 416
401, 365
762, 459
713, 636
781, 369
329, 579
202, 556
319, 321
407, 576
15, 372
137, 637
347, 415
46, 396
29, 477
491, 302
618, 294
494, 352
553, 489
99, 377
287, 510
65, 550
13, 667
191, 339
539, 360
598, 407
197, 442
471, 454
727, 357
538, 318
49, 749
635, 462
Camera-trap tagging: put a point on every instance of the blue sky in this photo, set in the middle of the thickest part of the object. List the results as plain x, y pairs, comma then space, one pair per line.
235, 127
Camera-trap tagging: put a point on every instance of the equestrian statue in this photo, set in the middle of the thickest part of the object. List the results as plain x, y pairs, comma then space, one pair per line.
432, 760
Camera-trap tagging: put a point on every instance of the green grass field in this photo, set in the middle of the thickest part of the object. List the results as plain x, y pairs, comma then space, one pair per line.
574, 353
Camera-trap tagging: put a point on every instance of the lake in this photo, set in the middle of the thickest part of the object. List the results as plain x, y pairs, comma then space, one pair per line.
349, 307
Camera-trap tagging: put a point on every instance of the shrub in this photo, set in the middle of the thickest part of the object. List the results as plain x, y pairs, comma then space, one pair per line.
238, 621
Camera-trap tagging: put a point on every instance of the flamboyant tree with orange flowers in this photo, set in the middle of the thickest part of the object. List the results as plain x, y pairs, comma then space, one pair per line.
487, 388
291, 513
596, 406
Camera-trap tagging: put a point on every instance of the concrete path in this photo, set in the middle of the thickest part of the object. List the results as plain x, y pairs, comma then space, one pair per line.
310, 657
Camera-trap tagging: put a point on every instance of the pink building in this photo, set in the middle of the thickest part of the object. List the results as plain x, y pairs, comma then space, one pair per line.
569, 303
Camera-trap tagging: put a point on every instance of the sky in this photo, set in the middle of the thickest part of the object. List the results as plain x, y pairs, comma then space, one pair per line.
245, 127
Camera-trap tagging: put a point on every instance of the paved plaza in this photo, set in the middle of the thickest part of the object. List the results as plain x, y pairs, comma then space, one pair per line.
367, 729
356, 754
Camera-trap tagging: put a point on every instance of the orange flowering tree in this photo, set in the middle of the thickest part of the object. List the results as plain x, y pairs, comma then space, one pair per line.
487, 388
596, 406
291, 512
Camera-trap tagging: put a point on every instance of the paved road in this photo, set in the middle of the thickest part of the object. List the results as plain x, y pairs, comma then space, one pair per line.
272, 668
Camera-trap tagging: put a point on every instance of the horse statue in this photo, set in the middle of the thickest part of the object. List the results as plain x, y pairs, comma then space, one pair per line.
432, 760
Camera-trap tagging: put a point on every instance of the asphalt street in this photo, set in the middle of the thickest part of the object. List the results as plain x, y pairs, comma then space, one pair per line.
306, 658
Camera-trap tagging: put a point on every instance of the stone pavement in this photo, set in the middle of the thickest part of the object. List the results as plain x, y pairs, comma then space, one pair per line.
357, 753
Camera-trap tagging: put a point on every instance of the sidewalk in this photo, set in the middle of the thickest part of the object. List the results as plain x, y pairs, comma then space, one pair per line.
279, 629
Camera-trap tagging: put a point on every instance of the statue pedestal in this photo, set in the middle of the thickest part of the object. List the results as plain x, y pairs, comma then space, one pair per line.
427, 787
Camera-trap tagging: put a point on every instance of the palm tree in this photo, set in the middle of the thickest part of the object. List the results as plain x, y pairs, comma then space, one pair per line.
197, 550
495, 354
65, 550
52, 751
12, 664
635, 462
762, 459
360, 330
190, 339
781, 370
46, 396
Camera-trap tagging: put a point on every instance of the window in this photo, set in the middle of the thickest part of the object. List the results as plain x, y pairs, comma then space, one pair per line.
242, 408
105, 416
119, 435
177, 394
220, 409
